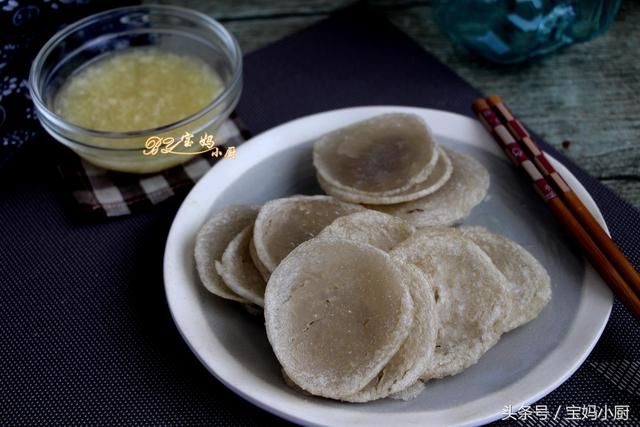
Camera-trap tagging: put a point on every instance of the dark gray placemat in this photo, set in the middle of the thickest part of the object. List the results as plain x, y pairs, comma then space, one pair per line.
359, 59
86, 336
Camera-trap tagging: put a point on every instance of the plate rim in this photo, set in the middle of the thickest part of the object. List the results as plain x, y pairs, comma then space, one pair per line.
458, 127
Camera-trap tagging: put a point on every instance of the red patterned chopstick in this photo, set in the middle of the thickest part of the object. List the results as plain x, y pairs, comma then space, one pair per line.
511, 148
573, 202
519, 132
516, 153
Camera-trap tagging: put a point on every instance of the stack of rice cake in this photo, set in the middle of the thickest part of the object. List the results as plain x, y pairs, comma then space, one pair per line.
368, 292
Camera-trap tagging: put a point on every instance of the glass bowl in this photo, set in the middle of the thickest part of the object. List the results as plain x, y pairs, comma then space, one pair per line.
173, 29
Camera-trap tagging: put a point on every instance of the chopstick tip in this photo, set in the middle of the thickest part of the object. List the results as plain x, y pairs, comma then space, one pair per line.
494, 100
479, 105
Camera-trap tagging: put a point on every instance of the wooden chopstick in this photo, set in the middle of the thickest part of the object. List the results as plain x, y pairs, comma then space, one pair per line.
571, 200
591, 250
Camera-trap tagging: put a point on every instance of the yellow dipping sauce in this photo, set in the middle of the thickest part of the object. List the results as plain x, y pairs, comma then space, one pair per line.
137, 89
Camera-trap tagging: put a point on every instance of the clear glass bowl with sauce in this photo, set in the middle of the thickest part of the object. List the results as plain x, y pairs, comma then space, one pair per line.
135, 31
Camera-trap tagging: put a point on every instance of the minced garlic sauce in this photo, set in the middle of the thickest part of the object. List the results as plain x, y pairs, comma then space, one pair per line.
137, 89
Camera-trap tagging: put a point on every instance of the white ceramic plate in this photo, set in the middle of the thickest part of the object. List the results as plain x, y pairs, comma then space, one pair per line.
525, 365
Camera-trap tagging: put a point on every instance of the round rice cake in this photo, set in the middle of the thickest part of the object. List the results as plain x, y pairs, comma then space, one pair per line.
293, 386
383, 154
283, 224
455, 232
436, 179
256, 261
238, 270
211, 241
470, 298
335, 313
371, 227
412, 359
530, 284
452, 203
410, 392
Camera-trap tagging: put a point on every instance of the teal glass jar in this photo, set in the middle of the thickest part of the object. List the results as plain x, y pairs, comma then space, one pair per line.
511, 31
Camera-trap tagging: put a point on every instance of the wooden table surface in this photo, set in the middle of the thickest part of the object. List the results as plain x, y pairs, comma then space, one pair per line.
587, 94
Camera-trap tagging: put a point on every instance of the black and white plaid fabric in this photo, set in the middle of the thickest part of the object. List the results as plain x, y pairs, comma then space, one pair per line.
101, 193
94, 192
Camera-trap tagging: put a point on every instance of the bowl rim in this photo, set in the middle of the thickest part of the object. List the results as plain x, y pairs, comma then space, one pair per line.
201, 201
53, 119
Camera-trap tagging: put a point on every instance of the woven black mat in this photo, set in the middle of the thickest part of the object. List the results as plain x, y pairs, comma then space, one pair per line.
85, 333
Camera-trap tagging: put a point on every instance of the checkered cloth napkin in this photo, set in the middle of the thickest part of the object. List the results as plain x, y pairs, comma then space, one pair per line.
97, 192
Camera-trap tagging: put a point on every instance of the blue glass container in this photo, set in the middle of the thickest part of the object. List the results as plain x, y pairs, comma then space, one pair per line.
510, 31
